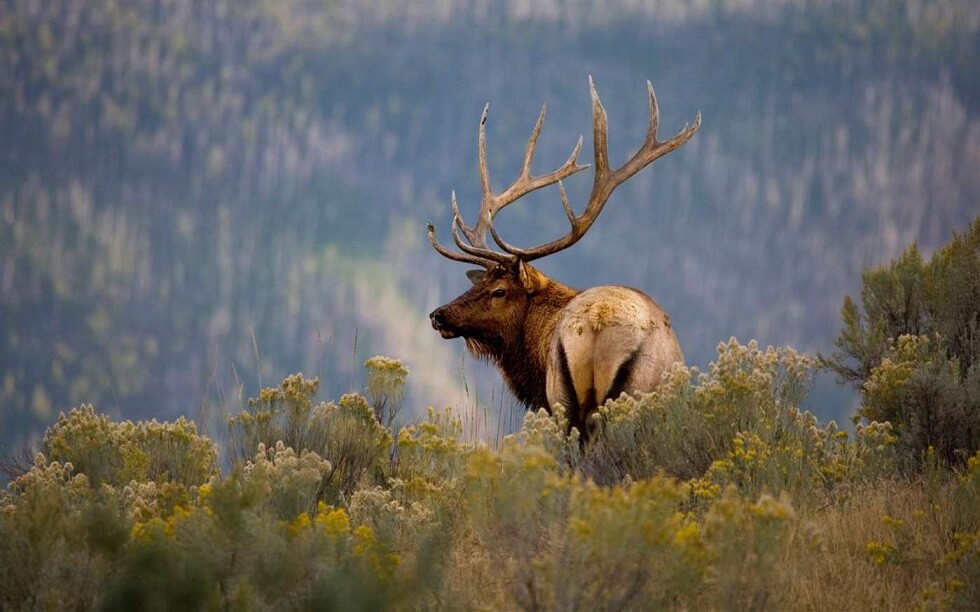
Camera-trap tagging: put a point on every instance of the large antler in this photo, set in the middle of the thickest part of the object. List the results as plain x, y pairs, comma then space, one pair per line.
477, 251
605, 181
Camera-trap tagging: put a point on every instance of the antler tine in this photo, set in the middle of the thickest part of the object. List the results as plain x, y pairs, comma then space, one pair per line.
600, 146
532, 142
525, 183
654, 114
491, 204
523, 253
488, 255
476, 235
450, 254
485, 254
473, 255
606, 180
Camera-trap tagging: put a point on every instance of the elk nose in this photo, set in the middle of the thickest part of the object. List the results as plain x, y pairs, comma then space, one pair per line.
438, 318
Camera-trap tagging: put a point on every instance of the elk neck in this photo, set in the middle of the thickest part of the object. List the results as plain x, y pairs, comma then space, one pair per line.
524, 361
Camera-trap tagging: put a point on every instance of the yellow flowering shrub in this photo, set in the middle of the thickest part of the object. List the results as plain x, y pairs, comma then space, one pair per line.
514, 500
146, 500
117, 453
283, 413
626, 545
53, 524
743, 541
385, 387
682, 500
428, 466
927, 397
346, 433
294, 482
395, 513
738, 424
691, 421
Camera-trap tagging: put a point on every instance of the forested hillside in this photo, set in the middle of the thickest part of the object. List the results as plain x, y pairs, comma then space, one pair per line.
197, 197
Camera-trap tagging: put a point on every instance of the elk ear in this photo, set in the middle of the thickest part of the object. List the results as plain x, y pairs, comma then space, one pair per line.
475, 276
532, 280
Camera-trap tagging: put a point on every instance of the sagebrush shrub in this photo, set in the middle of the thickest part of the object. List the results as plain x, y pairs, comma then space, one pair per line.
913, 347
346, 434
716, 492
738, 424
923, 392
117, 453
385, 388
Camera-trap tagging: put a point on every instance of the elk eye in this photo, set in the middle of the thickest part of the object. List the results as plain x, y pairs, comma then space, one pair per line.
497, 293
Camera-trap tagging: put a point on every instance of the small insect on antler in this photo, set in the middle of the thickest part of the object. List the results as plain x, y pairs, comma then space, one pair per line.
475, 249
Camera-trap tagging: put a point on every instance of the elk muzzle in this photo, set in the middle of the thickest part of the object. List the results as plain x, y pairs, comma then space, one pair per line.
441, 324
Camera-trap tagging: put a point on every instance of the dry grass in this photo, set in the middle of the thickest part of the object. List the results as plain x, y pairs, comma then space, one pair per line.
828, 562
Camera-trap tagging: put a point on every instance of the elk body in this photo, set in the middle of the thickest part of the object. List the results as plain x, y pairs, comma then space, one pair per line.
554, 344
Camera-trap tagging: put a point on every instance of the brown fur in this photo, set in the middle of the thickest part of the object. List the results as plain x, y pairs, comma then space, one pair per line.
513, 331
554, 344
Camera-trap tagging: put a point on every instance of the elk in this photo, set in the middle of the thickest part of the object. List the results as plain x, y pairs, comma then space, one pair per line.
552, 343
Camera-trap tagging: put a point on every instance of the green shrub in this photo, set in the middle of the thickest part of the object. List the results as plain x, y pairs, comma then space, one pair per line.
293, 483
564, 542
117, 453
716, 492
279, 414
738, 424
920, 389
913, 347
346, 434
683, 427
59, 538
385, 388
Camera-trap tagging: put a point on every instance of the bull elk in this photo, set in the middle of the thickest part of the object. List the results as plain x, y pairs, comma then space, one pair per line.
552, 343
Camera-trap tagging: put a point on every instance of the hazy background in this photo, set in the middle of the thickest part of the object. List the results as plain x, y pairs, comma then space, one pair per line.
198, 198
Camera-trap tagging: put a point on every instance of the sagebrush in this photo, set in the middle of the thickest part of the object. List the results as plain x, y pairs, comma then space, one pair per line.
717, 492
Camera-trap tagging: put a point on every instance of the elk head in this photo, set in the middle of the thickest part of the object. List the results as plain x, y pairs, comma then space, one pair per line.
514, 314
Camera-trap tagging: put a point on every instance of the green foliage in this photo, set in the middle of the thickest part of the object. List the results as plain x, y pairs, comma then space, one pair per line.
59, 538
683, 428
292, 483
739, 425
385, 387
342, 441
922, 391
716, 492
117, 453
913, 348
563, 542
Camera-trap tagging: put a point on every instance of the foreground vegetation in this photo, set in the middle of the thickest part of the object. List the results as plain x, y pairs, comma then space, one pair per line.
716, 492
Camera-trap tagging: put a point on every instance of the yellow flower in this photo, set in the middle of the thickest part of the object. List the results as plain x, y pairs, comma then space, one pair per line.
879, 552
178, 515
891, 522
704, 489
687, 536
580, 528
769, 507
144, 531
300, 523
335, 523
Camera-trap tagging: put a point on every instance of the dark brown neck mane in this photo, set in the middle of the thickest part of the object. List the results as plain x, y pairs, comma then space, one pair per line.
523, 360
